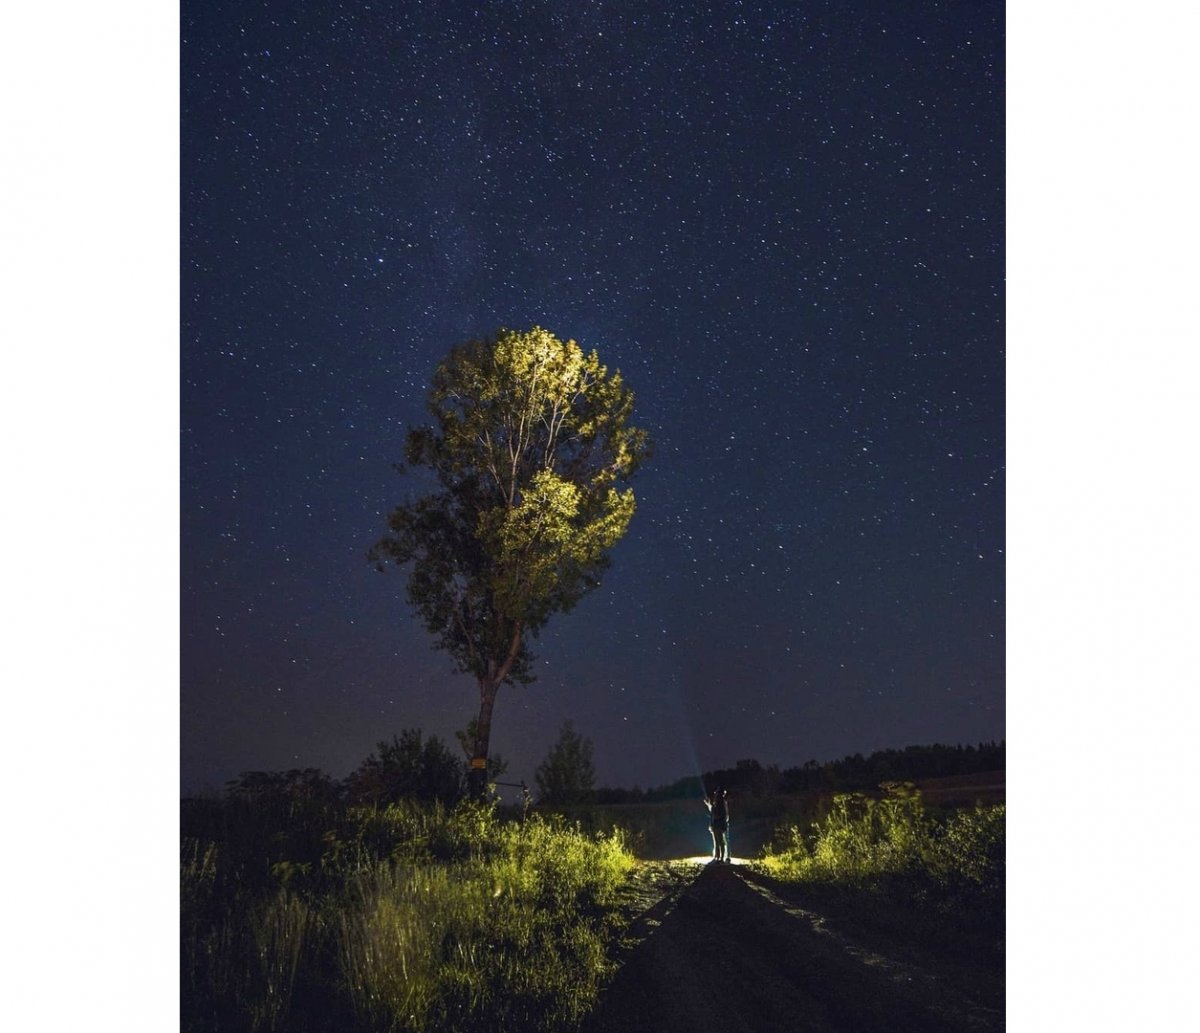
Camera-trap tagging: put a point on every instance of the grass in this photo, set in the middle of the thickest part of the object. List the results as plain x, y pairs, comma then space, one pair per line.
935, 876
405, 918
304, 916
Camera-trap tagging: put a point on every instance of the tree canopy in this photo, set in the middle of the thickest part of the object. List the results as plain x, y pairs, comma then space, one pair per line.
531, 449
566, 775
408, 767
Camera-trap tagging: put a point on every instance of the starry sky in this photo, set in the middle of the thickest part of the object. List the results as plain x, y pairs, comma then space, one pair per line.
784, 224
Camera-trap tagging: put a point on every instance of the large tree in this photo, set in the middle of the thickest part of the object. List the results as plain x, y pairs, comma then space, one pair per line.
530, 448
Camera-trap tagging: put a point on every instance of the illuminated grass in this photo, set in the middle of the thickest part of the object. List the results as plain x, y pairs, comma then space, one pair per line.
937, 876
411, 919
513, 941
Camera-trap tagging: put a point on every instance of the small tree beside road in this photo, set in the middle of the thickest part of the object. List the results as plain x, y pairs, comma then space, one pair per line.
566, 775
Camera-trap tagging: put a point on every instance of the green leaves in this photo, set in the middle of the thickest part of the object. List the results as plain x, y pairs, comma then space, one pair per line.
549, 549
531, 444
523, 402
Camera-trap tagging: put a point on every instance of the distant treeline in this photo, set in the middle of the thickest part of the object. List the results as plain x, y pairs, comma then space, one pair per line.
412, 767
853, 772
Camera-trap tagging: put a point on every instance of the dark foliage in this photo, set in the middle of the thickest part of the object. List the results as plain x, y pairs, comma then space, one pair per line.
852, 772
566, 775
408, 767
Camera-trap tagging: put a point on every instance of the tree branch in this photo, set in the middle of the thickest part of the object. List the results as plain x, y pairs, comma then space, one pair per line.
512, 653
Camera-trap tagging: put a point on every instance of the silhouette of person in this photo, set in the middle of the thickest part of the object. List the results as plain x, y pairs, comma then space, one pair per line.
718, 809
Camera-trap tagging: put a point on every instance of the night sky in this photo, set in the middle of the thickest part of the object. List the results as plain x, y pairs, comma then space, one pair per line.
784, 224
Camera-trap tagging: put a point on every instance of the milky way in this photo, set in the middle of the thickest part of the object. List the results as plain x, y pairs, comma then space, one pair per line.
782, 222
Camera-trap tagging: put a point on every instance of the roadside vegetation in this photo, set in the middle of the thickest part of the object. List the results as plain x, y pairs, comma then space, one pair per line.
934, 876
389, 902
303, 915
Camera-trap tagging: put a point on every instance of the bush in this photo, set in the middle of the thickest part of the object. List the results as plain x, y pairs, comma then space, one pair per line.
408, 767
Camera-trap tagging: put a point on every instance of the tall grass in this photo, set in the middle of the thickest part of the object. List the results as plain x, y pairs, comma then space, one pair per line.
940, 875
411, 919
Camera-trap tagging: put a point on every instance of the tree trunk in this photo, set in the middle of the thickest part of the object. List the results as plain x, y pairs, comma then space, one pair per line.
477, 776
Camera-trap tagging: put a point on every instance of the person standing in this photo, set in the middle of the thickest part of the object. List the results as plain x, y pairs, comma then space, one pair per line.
718, 809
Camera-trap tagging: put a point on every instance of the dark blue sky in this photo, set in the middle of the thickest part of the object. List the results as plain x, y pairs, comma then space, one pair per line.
1103, 558
783, 222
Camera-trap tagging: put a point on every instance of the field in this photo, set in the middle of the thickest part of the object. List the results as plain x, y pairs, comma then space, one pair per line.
309, 916
402, 918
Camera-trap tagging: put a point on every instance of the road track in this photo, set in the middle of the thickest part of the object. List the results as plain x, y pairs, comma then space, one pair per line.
726, 953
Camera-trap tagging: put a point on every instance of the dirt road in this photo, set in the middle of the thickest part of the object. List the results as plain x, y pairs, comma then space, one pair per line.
722, 951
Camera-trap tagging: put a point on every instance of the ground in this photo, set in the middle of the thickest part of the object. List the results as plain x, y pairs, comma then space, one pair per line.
723, 949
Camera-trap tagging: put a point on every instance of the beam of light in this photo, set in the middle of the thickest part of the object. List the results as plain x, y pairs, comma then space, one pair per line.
686, 738
689, 744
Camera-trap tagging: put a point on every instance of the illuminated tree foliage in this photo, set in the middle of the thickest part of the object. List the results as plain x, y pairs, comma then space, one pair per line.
531, 448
